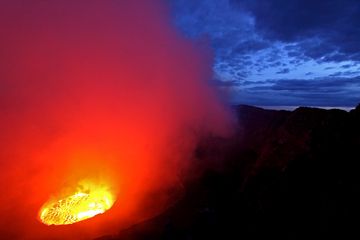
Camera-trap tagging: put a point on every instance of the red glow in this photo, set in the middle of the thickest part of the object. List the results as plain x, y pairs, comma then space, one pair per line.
100, 90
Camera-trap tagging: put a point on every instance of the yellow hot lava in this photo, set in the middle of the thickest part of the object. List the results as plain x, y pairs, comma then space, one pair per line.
82, 204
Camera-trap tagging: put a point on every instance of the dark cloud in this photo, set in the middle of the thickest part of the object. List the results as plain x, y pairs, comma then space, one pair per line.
336, 74
330, 91
295, 54
283, 71
316, 85
329, 68
275, 64
347, 66
326, 29
251, 46
245, 83
225, 84
344, 73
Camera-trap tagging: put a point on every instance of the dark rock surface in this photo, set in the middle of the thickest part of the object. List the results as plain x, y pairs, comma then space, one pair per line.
284, 175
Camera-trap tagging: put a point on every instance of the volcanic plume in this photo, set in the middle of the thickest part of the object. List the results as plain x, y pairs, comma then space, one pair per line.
97, 94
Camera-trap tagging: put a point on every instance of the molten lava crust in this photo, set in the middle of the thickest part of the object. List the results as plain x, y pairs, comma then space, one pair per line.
76, 207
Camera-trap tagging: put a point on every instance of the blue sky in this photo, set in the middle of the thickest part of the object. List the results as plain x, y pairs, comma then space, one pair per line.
280, 52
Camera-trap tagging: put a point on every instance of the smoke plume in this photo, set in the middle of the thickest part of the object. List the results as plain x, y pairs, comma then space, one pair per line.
101, 91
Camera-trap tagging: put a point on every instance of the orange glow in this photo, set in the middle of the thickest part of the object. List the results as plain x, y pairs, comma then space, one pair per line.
85, 203
106, 91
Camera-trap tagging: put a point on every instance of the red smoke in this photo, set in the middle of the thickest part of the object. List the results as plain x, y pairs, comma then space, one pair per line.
100, 90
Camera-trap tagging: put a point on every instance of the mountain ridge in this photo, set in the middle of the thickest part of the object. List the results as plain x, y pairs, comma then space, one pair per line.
284, 174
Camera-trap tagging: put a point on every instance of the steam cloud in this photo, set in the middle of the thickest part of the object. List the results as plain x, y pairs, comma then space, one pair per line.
101, 90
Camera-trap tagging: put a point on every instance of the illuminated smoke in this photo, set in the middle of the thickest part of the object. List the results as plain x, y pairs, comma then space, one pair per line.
100, 91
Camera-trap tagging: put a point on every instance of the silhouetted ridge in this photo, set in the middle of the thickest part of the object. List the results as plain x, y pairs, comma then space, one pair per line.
284, 175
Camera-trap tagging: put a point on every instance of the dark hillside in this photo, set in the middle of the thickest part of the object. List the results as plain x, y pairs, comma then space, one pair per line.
284, 175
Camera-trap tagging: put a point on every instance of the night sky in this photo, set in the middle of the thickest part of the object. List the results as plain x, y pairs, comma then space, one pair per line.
279, 52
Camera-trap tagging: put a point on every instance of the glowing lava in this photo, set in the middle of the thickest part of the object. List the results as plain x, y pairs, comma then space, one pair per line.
80, 205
